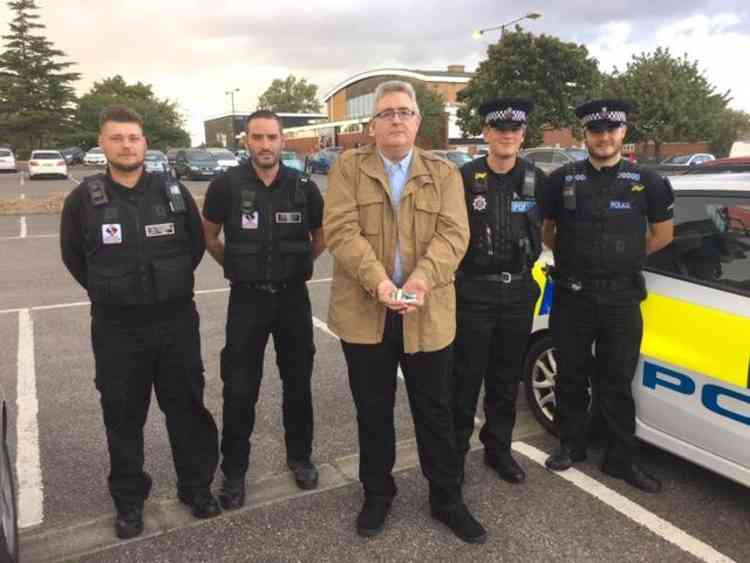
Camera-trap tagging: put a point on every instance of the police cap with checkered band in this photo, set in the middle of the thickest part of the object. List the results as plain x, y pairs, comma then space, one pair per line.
603, 114
505, 111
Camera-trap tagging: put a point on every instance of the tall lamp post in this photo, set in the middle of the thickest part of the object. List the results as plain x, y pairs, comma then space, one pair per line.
230, 93
530, 16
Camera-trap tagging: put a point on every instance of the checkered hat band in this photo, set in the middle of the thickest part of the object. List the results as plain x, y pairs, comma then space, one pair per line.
605, 116
505, 115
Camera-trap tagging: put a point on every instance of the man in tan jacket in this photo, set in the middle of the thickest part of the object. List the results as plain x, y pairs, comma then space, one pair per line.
395, 218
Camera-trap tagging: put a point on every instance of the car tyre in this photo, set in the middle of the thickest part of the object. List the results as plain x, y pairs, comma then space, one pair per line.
538, 375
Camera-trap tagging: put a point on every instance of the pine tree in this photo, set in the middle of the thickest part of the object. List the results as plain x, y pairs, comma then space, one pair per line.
36, 95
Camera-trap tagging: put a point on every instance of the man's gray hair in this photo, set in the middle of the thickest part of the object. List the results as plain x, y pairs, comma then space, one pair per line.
396, 86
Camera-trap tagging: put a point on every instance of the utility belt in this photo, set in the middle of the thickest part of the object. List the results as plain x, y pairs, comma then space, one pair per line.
617, 283
269, 287
503, 277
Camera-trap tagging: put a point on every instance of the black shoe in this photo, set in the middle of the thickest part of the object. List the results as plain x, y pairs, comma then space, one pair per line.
507, 467
232, 493
463, 524
632, 473
371, 519
564, 458
305, 474
201, 502
129, 522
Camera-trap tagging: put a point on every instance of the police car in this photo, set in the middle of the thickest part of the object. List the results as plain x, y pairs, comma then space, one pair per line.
692, 383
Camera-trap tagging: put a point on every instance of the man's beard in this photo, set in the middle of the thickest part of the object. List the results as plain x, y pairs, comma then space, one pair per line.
265, 165
599, 153
125, 167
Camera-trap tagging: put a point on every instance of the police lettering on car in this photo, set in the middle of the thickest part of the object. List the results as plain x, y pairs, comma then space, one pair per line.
495, 290
602, 216
132, 239
272, 219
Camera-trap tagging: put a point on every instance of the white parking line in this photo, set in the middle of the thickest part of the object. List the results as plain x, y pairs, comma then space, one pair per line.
28, 468
22, 181
635, 512
22, 221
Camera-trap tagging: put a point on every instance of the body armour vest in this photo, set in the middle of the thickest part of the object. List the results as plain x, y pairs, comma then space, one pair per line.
601, 232
505, 225
267, 231
137, 250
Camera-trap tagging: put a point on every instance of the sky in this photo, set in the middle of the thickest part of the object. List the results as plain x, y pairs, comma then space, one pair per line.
193, 51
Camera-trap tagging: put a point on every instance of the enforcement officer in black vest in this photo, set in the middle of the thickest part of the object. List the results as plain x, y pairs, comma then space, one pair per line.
495, 291
132, 239
272, 216
602, 216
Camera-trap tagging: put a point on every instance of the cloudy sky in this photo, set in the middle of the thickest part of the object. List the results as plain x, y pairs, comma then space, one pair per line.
193, 51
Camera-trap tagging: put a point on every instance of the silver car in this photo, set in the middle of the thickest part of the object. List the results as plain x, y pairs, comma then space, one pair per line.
552, 158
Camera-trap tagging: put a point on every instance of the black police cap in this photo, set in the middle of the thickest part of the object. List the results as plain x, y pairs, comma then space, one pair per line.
505, 110
604, 113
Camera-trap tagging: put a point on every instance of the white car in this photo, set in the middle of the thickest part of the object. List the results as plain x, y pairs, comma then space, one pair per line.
7, 160
47, 163
95, 157
224, 157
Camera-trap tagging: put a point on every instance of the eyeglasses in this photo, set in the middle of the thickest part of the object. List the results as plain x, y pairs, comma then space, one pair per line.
402, 113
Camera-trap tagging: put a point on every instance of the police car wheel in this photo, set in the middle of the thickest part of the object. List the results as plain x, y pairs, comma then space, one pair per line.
8, 512
539, 372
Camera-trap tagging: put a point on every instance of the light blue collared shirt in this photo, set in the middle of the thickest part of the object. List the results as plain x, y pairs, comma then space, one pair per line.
398, 174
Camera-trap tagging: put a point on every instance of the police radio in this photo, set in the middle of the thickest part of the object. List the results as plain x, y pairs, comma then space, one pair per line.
174, 195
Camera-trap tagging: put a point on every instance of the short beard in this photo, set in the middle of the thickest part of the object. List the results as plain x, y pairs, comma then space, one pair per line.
263, 165
125, 167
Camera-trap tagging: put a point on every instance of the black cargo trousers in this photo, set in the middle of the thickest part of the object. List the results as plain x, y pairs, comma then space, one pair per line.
133, 355
493, 324
613, 324
254, 313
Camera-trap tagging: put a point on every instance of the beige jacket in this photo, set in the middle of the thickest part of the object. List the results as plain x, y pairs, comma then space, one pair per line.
361, 232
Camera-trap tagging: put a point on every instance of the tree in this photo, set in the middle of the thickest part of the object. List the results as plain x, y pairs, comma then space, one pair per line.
162, 122
733, 125
36, 95
290, 95
555, 75
432, 131
673, 100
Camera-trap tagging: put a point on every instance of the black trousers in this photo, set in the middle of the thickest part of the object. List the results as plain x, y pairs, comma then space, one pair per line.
493, 326
253, 316
614, 323
372, 379
130, 359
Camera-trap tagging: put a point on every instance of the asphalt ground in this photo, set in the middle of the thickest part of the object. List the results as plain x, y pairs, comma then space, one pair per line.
699, 516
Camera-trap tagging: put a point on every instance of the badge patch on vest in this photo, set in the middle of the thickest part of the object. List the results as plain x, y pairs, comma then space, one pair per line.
160, 230
521, 206
250, 220
479, 203
289, 217
615, 204
637, 188
111, 233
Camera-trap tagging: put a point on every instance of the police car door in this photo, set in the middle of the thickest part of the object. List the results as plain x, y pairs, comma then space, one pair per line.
691, 386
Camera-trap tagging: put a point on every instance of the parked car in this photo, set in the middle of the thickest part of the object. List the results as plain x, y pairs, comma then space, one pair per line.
552, 158
459, 158
47, 163
196, 164
291, 160
242, 155
172, 156
321, 161
680, 163
740, 148
7, 160
95, 157
73, 155
737, 164
692, 382
224, 157
8, 507
155, 161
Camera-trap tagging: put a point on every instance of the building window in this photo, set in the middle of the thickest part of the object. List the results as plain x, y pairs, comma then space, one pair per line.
361, 106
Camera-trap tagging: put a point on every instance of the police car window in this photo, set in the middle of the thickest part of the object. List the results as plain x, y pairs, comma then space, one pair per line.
711, 242
559, 157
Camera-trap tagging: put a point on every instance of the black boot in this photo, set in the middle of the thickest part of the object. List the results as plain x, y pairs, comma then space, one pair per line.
564, 458
505, 466
201, 502
129, 521
371, 519
632, 473
460, 520
305, 473
232, 493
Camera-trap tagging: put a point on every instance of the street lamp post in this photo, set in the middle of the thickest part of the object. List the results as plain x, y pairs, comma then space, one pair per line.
230, 93
530, 16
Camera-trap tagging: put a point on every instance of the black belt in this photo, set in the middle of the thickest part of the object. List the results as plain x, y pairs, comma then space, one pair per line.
605, 284
504, 277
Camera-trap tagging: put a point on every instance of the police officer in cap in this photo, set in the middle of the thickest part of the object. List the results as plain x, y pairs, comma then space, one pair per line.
132, 239
272, 217
495, 291
602, 217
